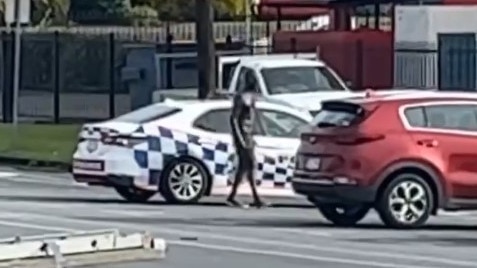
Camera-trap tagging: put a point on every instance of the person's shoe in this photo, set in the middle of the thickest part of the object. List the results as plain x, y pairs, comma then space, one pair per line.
260, 204
234, 203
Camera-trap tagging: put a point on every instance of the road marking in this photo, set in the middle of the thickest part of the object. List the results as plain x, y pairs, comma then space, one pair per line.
306, 232
293, 255
49, 176
279, 230
454, 213
34, 181
136, 214
263, 241
4, 175
35, 226
41, 178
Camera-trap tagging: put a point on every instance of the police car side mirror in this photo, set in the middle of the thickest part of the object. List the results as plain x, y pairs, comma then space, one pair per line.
349, 84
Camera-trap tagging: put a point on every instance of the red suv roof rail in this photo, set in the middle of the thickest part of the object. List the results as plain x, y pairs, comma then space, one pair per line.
369, 93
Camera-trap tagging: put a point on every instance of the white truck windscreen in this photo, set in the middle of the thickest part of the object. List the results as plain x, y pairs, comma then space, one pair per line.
300, 79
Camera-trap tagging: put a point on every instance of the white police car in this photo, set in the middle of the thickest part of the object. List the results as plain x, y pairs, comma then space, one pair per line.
183, 150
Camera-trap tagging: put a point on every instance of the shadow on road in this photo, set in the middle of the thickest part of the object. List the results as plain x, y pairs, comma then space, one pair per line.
274, 221
217, 203
241, 218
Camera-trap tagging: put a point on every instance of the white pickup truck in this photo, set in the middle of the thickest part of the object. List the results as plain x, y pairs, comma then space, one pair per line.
299, 80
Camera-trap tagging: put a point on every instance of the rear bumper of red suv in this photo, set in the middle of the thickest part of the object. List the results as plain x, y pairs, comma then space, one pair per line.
326, 189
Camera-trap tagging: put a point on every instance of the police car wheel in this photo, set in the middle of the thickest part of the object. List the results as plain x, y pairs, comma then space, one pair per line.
184, 181
133, 194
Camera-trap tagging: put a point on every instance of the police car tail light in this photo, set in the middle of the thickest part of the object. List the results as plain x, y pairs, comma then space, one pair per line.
124, 140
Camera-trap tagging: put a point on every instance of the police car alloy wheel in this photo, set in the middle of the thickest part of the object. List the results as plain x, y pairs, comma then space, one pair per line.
406, 202
184, 181
133, 194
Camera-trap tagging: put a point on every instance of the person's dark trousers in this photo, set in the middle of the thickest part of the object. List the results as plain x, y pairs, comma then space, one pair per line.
246, 164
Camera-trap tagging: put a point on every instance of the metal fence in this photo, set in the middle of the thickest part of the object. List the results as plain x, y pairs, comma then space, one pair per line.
450, 69
60, 73
180, 31
72, 73
68, 77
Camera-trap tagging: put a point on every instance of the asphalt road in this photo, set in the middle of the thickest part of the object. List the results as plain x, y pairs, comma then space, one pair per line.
214, 236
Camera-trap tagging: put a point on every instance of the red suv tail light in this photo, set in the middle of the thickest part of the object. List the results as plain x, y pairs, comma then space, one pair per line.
359, 139
349, 139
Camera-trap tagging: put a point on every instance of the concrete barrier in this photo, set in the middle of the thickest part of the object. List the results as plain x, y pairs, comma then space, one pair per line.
79, 249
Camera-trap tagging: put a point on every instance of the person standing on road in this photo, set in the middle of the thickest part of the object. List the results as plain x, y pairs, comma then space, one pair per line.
242, 120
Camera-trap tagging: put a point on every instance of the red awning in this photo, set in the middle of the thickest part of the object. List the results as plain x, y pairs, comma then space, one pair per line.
458, 2
292, 3
290, 9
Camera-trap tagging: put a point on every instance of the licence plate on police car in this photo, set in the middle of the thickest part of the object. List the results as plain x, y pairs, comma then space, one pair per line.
91, 165
313, 163
91, 145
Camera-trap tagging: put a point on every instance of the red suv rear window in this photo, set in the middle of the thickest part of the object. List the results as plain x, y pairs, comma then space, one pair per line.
338, 114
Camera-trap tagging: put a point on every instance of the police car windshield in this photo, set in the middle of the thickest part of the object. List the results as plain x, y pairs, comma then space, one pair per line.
300, 79
148, 113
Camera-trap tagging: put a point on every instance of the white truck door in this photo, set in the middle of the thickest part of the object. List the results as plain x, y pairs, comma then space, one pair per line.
226, 69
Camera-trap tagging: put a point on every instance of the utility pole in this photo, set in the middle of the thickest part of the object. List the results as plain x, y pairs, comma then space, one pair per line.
16, 13
248, 23
16, 63
204, 26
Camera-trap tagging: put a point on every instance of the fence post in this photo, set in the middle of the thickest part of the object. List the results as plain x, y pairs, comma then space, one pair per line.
7, 99
56, 77
169, 40
293, 45
2, 68
359, 73
112, 75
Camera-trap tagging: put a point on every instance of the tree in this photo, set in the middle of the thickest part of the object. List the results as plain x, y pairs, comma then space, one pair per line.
2, 13
100, 12
231, 8
184, 10
50, 12
144, 16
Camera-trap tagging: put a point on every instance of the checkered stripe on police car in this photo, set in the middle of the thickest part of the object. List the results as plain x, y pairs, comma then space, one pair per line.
163, 145
277, 169
97, 132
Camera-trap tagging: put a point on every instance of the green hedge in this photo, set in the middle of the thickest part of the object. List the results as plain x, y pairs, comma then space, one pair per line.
39, 142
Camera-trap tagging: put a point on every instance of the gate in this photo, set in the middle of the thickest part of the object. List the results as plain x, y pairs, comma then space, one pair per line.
457, 61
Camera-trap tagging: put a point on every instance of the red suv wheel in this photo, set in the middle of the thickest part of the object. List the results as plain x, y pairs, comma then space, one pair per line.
344, 215
406, 202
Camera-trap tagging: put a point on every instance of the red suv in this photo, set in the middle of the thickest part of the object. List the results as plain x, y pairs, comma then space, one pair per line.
404, 155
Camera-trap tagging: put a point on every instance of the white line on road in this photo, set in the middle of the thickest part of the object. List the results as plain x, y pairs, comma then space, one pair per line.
239, 249
49, 176
256, 241
305, 232
283, 254
136, 214
49, 182
19, 224
4, 175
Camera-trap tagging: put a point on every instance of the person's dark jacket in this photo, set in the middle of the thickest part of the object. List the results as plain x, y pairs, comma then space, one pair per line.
239, 121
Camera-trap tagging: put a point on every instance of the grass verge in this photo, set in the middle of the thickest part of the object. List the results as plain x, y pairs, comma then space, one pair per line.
38, 142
